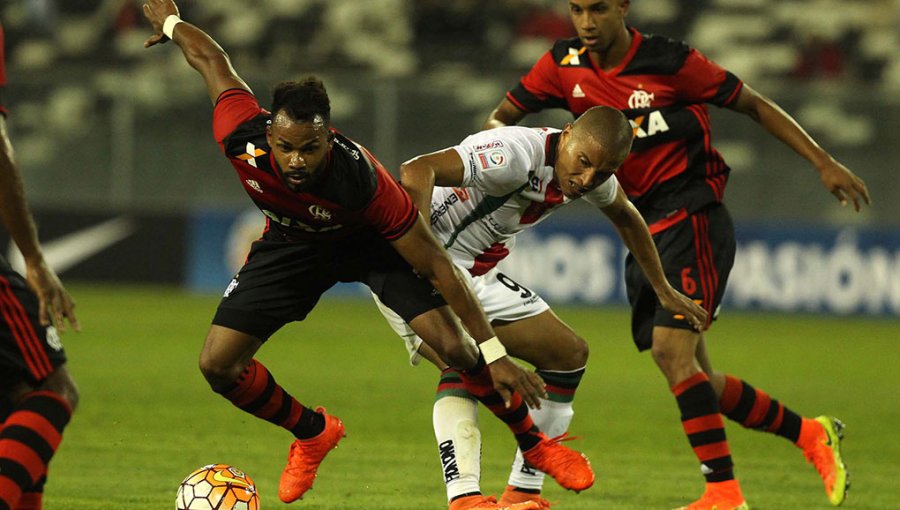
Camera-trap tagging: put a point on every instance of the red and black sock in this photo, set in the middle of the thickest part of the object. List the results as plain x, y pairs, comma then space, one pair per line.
257, 393
30, 500
479, 383
755, 409
30, 436
704, 427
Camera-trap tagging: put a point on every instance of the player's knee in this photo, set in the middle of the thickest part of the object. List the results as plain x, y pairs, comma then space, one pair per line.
61, 383
571, 354
220, 376
577, 354
674, 365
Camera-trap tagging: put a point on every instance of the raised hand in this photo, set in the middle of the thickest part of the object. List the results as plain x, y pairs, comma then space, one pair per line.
156, 12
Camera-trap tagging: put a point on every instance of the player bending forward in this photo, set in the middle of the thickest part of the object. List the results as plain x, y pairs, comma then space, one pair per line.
480, 194
335, 214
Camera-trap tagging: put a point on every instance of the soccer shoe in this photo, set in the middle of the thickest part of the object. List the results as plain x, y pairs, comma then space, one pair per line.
479, 502
823, 451
512, 496
569, 468
720, 496
305, 457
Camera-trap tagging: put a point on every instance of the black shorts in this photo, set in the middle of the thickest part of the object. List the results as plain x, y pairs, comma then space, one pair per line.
29, 352
282, 281
696, 254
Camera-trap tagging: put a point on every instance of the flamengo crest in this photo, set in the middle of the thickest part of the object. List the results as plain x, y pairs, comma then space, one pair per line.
640, 99
320, 213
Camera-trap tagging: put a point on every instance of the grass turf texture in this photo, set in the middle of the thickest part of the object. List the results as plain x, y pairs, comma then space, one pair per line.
147, 418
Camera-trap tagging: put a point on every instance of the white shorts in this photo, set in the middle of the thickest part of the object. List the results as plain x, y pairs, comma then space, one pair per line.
502, 299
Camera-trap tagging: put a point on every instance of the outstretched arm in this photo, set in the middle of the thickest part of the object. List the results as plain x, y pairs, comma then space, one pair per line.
505, 114
837, 179
634, 232
200, 50
56, 306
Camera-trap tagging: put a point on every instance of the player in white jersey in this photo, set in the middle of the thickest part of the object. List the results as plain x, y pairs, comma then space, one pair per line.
479, 195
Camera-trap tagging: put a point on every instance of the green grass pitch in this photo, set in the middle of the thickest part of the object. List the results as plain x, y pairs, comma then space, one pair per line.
147, 417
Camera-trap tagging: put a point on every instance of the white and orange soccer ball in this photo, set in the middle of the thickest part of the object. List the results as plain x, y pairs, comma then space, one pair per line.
217, 487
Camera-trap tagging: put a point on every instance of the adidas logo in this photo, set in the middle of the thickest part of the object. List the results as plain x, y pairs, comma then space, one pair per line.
577, 92
448, 460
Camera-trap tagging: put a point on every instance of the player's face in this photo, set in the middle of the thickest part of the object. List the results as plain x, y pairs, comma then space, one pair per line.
581, 164
598, 22
300, 149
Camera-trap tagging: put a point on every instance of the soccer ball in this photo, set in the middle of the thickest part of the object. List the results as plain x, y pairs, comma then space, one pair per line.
217, 487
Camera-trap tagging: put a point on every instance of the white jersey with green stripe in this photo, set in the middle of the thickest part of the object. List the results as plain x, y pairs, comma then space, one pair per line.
508, 185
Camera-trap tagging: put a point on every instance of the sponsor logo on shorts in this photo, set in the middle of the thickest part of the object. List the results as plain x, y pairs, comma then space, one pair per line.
53, 339
231, 286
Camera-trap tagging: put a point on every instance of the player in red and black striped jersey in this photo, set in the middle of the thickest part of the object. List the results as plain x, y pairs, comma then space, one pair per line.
37, 392
676, 179
334, 214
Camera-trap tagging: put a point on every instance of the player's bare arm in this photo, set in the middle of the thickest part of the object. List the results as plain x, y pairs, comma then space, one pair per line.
505, 114
636, 236
423, 252
837, 179
56, 305
200, 50
421, 174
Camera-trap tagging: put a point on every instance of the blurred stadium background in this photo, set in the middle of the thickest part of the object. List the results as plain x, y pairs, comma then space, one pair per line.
115, 137
129, 188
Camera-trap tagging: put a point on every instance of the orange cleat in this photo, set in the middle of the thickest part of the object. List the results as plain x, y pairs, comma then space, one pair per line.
720, 496
305, 457
479, 502
511, 496
821, 443
571, 469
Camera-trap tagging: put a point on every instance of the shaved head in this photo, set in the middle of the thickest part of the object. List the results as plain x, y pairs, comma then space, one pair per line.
608, 128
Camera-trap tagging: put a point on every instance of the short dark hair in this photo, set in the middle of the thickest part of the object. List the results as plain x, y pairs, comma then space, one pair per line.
302, 100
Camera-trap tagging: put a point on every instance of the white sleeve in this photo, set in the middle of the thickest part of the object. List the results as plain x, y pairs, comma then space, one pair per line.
497, 161
604, 194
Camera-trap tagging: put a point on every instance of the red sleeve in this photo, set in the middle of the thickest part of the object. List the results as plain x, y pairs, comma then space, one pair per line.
700, 80
391, 210
540, 88
233, 107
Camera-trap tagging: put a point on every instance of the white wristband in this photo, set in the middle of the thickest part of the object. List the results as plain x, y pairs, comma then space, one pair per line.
492, 350
169, 24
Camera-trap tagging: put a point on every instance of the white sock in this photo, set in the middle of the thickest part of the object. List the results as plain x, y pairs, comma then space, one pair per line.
455, 421
553, 419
